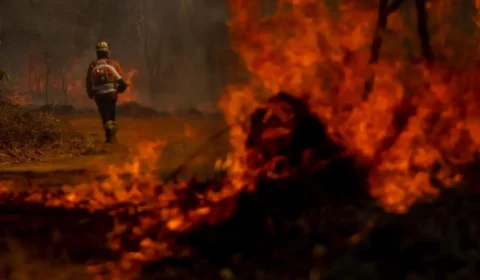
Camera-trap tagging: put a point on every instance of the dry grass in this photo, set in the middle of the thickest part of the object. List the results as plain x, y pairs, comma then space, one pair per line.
183, 134
29, 136
135, 130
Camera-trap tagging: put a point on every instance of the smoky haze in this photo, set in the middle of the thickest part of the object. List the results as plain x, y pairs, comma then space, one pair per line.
175, 52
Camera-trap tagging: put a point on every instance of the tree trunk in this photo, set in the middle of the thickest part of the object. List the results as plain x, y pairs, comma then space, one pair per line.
379, 31
46, 86
64, 87
30, 89
153, 87
38, 86
154, 67
151, 94
47, 76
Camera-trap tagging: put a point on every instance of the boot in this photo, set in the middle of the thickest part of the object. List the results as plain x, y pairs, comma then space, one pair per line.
107, 136
110, 132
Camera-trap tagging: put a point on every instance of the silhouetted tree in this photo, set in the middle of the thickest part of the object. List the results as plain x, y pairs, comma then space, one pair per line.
46, 57
386, 8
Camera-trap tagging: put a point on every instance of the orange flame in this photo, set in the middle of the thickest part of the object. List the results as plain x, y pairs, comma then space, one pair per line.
67, 85
309, 51
130, 94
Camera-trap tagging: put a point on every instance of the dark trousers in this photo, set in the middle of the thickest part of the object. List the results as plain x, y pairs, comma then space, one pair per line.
106, 105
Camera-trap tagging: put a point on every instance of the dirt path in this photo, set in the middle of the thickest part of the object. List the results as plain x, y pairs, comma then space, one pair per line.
183, 135
62, 171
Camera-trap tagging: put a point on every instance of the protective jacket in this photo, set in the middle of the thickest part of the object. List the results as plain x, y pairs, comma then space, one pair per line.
104, 76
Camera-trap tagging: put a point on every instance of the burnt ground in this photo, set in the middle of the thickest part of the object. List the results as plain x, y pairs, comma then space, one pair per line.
299, 231
341, 238
314, 224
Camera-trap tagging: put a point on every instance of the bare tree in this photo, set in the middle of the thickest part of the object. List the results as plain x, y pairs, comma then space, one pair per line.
46, 57
167, 42
155, 43
30, 69
174, 39
65, 86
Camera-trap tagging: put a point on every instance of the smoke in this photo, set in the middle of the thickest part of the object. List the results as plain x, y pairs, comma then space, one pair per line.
179, 49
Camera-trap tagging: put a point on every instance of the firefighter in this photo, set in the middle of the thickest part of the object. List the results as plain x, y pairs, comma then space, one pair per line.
103, 83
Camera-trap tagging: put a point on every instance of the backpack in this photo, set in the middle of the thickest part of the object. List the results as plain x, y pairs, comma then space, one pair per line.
103, 74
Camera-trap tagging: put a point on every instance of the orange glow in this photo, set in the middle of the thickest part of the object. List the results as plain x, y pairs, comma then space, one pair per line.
189, 131
321, 56
64, 86
130, 94
20, 99
142, 192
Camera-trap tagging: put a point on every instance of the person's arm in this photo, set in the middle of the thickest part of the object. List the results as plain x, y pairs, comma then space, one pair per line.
121, 84
88, 83
117, 67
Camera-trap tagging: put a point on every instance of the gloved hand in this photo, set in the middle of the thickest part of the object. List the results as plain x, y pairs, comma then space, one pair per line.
121, 86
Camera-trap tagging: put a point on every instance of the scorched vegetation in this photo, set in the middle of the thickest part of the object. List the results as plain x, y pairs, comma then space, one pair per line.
28, 136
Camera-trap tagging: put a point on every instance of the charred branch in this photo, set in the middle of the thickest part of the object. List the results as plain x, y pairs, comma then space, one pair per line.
384, 10
422, 29
379, 30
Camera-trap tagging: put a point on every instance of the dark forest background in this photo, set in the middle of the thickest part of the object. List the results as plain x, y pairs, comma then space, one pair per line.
178, 50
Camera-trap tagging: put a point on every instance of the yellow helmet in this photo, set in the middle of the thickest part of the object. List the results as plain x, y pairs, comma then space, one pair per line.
102, 46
